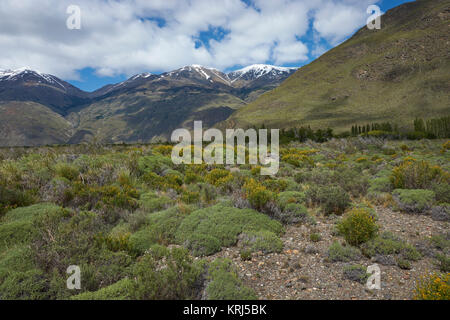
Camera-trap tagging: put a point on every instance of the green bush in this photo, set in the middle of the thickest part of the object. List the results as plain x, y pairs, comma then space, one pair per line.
12, 198
263, 240
315, 237
206, 230
357, 273
389, 244
246, 255
413, 201
142, 240
442, 191
443, 262
358, 226
28, 285
121, 290
166, 274
67, 171
332, 199
155, 163
287, 197
150, 202
17, 225
225, 284
337, 252
294, 213
381, 184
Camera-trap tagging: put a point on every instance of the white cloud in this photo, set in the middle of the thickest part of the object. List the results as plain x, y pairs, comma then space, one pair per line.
120, 37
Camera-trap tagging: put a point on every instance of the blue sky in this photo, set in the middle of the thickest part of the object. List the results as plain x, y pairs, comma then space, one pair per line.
118, 39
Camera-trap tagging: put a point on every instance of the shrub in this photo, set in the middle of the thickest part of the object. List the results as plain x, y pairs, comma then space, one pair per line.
28, 285
67, 171
142, 240
246, 255
332, 199
337, 252
257, 194
275, 185
381, 184
315, 237
219, 178
388, 244
121, 290
443, 262
150, 202
287, 197
442, 191
165, 150
413, 201
17, 226
413, 174
156, 164
262, 240
207, 230
298, 160
12, 198
190, 197
166, 274
358, 226
433, 287
357, 273
441, 213
225, 284
403, 263
293, 213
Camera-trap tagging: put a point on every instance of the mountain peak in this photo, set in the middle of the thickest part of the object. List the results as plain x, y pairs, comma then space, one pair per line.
27, 74
256, 71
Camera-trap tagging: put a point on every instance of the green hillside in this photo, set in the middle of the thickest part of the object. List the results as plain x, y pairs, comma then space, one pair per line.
29, 123
394, 74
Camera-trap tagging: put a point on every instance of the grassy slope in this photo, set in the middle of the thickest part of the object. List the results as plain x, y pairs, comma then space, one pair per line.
396, 73
30, 124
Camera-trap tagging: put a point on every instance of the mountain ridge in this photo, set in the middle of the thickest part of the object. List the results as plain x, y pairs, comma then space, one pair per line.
144, 107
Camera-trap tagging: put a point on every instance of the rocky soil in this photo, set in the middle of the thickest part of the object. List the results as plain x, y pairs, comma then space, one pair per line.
302, 271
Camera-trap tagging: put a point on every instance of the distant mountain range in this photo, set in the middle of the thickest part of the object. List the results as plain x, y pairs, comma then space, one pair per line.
37, 108
396, 74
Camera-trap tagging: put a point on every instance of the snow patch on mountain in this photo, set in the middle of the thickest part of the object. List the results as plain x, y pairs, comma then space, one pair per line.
11, 75
258, 70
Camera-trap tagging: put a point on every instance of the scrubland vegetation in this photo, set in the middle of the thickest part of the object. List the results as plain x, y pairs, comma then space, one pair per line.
141, 227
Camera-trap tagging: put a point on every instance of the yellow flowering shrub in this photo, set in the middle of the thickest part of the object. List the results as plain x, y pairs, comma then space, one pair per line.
358, 226
412, 174
257, 194
433, 287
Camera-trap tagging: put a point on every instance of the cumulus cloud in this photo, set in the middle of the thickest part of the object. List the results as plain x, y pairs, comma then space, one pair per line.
127, 37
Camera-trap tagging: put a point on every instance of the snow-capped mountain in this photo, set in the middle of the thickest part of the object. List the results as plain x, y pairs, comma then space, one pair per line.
25, 74
257, 71
199, 73
25, 84
140, 108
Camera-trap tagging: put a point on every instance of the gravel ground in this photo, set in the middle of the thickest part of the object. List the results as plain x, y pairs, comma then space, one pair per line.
302, 272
